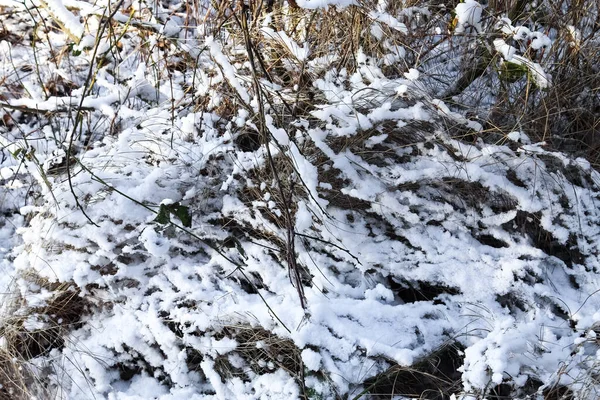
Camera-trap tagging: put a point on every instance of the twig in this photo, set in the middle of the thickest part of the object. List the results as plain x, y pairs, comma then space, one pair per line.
78, 117
293, 267
31, 110
331, 244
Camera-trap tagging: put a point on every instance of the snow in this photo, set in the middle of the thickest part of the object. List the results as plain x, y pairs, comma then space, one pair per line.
505, 49
317, 4
299, 52
412, 74
521, 33
388, 20
468, 14
540, 41
406, 236
67, 19
228, 70
574, 36
534, 40
311, 359
537, 72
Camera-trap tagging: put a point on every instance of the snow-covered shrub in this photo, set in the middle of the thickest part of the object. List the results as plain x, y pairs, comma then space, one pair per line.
530, 66
230, 203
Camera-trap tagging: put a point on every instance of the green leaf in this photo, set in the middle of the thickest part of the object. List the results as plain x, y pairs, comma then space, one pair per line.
71, 47
163, 215
17, 152
511, 72
232, 241
183, 213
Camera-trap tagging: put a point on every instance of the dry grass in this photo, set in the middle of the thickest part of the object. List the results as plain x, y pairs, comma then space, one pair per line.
262, 352
567, 115
14, 379
435, 377
32, 332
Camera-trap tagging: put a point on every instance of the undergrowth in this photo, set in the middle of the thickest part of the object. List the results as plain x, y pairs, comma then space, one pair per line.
350, 201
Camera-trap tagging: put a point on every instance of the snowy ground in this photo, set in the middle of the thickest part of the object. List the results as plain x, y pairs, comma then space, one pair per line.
183, 235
